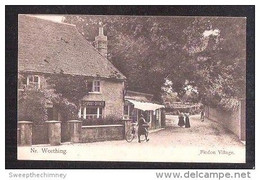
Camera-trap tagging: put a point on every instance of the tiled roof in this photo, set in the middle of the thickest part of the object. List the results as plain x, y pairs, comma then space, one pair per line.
51, 47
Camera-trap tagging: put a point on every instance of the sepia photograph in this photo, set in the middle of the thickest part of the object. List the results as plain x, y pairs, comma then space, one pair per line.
131, 88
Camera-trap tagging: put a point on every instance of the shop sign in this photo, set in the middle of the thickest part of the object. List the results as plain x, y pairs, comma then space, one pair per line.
94, 103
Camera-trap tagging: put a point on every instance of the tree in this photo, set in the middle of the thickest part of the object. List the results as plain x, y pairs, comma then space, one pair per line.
71, 88
208, 53
217, 60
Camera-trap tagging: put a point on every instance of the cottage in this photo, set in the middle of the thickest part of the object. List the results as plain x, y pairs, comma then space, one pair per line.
48, 48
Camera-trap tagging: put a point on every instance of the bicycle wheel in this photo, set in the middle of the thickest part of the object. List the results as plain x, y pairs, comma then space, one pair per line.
129, 136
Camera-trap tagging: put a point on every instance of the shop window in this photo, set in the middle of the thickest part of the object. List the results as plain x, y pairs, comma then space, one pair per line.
157, 113
91, 112
149, 116
126, 111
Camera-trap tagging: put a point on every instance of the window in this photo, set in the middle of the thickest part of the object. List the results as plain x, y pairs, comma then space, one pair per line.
96, 86
126, 112
93, 86
22, 82
33, 81
149, 116
91, 112
158, 115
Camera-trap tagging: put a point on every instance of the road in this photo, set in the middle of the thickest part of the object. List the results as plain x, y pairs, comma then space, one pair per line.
204, 142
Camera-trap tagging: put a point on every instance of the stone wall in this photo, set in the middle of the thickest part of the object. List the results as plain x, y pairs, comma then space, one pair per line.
102, 133
50, 133
234, 121
25, 133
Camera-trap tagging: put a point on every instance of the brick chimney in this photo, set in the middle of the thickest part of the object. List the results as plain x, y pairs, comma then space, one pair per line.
101, 42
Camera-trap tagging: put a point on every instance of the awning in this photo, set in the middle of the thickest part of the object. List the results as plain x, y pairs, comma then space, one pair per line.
145, 106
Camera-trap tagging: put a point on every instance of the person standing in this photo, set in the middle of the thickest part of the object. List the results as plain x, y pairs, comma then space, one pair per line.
181, 119
142, 128
187, 120
202, 115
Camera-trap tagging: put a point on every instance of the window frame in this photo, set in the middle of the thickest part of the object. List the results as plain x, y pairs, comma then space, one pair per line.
84, 115
94, 86
33, 82
127, 116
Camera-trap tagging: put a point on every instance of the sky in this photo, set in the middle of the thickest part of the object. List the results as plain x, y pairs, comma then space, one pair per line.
55, 18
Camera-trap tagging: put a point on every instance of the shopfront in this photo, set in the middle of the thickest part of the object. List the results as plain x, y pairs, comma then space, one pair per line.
91, 110
152, 112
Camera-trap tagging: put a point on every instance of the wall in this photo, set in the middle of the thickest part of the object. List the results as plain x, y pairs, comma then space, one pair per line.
234, 121
229, 120
112, 94
102, 133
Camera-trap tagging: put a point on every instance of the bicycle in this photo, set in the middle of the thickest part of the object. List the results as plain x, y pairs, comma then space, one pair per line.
132, 133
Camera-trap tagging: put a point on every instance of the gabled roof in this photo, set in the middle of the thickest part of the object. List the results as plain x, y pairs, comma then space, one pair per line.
50, 47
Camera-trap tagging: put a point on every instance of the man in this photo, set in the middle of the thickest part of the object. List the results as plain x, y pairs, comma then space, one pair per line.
142, 128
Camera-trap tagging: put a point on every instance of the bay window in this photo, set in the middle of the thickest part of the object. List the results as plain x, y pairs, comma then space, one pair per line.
91, 112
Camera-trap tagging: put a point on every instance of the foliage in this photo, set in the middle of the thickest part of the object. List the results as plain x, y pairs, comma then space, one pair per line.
31, 106
62, 93
72, 88
218, 60
208, 53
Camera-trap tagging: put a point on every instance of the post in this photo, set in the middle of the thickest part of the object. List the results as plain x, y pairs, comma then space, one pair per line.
25, 128
54, 132
79, 113
18, 137
85, 112
75, 130
163, 117
98, 112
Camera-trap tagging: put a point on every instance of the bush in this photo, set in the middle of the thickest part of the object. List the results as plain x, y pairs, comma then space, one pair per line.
31, 107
